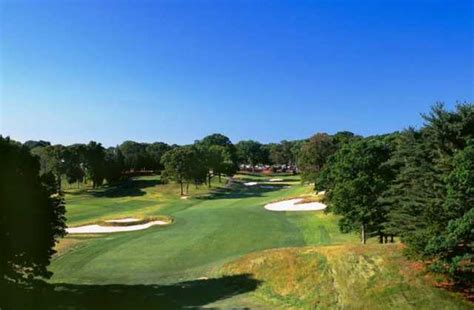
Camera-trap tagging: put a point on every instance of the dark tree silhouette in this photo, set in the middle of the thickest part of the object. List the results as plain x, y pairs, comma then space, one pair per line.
31, 215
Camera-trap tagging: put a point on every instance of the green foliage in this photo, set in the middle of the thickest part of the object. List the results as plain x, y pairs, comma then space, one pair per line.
155, 151
356, 176
95, 163
74, 158
453, 249
418, 184
285, 152
31, 215
143, 156
114, 165
313, 155
184, 164
51, 158
34, 144
219, 155
251, 153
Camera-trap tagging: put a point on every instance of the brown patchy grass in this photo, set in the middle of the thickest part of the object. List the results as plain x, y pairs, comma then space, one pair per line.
66, 244
343, 276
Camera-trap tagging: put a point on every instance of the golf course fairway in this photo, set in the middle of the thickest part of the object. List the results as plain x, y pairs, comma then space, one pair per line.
224, 250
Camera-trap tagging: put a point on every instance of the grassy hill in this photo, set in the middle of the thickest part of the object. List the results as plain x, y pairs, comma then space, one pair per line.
342, 277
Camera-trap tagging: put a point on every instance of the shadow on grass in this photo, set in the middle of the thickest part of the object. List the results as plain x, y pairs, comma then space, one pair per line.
270, 175
131, 187
189, 295
238, 190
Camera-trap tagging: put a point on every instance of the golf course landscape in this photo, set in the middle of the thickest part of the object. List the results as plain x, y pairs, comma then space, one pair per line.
217, 154
224, 250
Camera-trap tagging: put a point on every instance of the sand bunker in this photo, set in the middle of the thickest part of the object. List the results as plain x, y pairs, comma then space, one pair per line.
125, 220
292, 205
250, 183
97, 229
275, 180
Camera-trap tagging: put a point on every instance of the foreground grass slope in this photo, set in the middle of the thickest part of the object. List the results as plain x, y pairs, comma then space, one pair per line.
342, 277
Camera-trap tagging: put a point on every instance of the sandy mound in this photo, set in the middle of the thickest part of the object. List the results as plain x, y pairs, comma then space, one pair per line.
97, 229
292, 205
275, 180
125, 220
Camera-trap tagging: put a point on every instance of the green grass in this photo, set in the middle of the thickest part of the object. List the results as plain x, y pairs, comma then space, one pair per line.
203, 247
206, 232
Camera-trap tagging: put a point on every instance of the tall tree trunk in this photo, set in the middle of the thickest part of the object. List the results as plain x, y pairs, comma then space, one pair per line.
386, 238
209, 180
363, 237
181, 183
58, 179
391, 239
380, 238
187, 188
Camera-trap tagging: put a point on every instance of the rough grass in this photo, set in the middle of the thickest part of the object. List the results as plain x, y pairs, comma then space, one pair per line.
341, 277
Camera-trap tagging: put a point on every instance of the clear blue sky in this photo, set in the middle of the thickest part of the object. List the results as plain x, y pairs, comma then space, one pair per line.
175, 71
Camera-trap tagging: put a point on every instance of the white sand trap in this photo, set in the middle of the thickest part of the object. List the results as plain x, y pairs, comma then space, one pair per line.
97, 229
275, 180
125, 220
292, 205
250, 183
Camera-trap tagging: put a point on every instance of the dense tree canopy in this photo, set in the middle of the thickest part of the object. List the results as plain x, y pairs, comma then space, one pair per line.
251, 152
313, 155
31, 215
417, 184
354, 178
143, 156
219, 156
285, 152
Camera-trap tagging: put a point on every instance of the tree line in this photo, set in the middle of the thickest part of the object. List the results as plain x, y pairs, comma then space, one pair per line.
197, 163
417, 184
